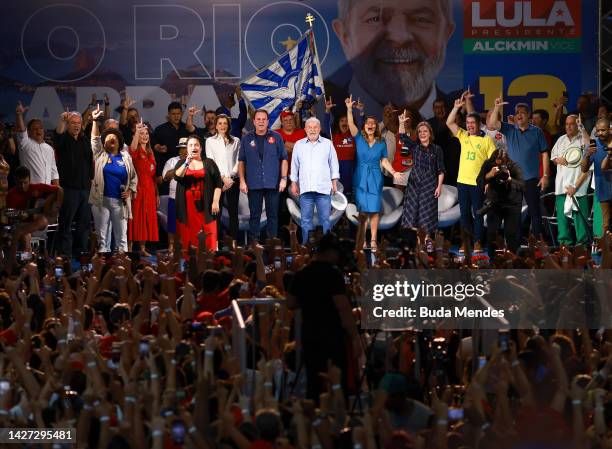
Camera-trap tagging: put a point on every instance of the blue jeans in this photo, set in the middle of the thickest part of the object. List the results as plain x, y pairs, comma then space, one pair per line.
470, 200
308, 201
256, 198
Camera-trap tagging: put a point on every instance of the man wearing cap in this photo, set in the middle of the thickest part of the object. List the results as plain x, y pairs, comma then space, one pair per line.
168, 175
571, 183
314, 176
289, 132
262, 168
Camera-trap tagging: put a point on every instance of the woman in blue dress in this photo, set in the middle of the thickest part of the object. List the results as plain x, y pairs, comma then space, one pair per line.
371, 153
425, 180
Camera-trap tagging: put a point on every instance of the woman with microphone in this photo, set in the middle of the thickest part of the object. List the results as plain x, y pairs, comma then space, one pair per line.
113, 185
198, 191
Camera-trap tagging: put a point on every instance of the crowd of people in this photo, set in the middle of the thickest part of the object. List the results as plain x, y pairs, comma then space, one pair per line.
117, 171
136, 351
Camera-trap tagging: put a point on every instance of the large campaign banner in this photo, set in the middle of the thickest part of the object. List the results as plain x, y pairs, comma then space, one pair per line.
55, 55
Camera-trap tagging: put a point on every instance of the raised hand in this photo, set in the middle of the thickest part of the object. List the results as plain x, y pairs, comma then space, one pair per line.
140, 125
404, 117
192, 111
329, 104
499, 102
349, 103
360, 105
64, 115
97, 113
20, 109
127, 102
460, 102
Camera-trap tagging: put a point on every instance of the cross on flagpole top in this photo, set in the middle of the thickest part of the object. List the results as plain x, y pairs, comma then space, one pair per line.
310, 19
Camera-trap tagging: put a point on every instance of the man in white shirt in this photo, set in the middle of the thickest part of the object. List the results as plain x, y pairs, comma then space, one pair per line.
571, 182
34, 153
168, 175
314, 176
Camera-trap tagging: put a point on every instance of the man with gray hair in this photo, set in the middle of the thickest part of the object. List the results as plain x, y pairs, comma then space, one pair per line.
396, 50
314, 176
75, 167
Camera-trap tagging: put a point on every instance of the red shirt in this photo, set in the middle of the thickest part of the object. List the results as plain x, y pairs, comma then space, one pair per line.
344, 144
296, 135
402, 163
213, 302
17, 199
8, 337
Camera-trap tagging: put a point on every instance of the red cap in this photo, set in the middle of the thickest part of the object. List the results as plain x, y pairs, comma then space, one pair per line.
206, 317
286, 114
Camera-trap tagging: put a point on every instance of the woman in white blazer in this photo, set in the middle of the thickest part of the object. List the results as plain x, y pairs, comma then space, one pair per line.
223, 149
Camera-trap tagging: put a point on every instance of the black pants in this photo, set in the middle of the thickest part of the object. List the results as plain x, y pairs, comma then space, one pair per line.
315, 355
511, 217
74, 208
229, 200
532, 197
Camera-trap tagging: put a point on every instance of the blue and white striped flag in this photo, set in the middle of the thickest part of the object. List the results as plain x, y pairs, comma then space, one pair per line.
295, 75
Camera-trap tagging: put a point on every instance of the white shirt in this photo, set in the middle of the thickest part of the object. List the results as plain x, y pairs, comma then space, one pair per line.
314, 165
498, 138
567, 176
39, 158
225, 156
169, 165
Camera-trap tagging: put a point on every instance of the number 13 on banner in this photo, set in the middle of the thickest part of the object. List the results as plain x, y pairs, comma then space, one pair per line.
553, 87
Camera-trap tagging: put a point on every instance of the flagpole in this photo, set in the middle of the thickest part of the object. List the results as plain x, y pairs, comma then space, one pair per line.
310, 20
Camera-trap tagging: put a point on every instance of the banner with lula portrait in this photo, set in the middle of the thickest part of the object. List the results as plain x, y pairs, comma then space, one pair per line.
56, 55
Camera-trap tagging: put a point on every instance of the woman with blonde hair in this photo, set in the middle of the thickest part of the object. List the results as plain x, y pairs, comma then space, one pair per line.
426, 177
142, 227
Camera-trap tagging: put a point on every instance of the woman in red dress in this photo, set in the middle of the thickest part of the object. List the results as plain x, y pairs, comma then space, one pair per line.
198, 190
142, 227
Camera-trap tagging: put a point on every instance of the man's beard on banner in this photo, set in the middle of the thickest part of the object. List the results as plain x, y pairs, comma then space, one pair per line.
400, 86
